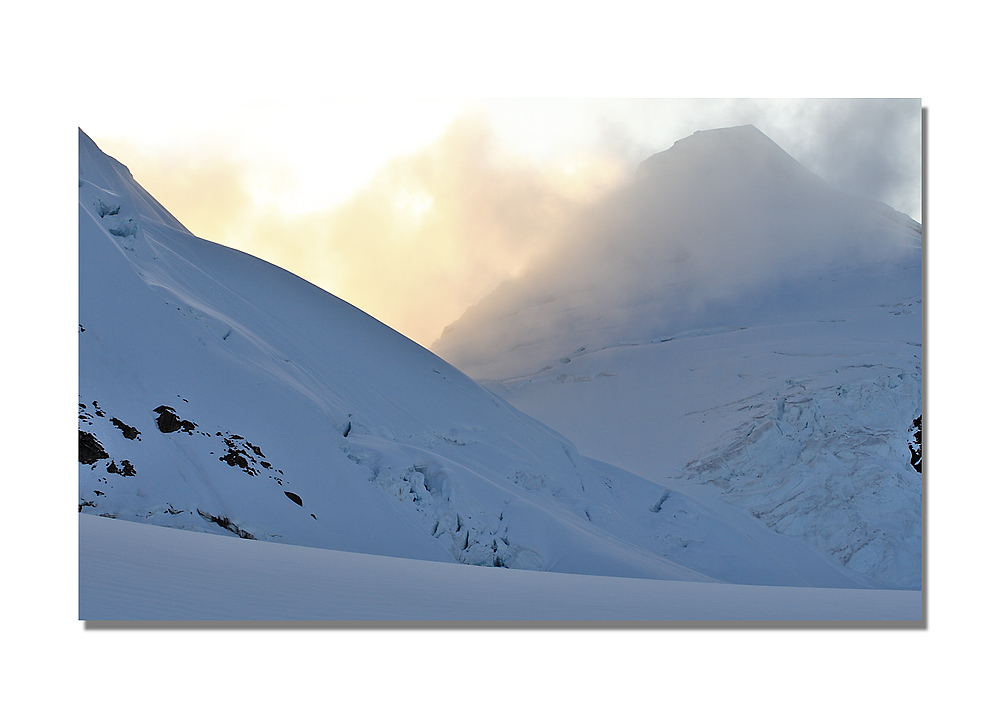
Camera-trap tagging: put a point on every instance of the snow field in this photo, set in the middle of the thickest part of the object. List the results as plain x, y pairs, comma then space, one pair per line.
132, 571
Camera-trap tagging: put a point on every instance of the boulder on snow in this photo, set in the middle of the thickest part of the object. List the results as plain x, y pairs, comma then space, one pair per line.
90, 449
167, 421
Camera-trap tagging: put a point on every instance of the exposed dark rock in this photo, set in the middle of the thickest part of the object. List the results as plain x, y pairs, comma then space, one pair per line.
227, 524
129, 432
246, 456
85, 503
90, 449
126, 469
916, 444
294, 497
241, 453
167, 421
235, 459
238, 456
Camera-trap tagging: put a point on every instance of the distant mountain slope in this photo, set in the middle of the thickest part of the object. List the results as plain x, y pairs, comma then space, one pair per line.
731, 326
221, 394
724, 229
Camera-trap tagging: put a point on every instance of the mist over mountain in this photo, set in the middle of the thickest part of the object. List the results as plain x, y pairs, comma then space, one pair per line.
730, 326
724, 227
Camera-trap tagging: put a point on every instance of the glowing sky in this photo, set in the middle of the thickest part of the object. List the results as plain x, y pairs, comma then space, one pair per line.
413, 210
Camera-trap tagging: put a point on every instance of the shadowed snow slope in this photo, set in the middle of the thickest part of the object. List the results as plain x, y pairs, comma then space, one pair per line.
221, 394
730, 325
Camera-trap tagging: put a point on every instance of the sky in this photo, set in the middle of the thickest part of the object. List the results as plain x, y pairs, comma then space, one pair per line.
413, 210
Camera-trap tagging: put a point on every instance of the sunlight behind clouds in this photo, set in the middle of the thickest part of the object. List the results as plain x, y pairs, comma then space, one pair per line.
415, 210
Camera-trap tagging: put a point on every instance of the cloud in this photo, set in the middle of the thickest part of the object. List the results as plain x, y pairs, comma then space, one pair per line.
438, 229
874, 150
724, 228
432, 233
867, 147
204, 185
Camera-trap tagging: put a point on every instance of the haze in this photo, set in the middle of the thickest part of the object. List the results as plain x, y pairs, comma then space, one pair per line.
414, 211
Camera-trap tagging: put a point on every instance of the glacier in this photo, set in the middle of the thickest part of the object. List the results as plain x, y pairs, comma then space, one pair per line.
734, 328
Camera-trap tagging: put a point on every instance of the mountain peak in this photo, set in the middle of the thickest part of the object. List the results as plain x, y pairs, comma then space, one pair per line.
715, 231
740, 150
109, 181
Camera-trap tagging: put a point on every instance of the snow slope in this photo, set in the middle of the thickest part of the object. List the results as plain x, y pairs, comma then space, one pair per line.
221, 394
730, 326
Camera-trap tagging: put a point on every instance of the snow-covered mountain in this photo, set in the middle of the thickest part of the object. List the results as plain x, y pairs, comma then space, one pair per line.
730, 326
221, 394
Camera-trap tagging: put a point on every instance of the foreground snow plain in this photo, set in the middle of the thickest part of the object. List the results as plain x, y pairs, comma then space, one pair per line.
131, 571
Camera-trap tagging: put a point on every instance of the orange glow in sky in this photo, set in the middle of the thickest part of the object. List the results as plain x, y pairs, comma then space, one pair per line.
414, 210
